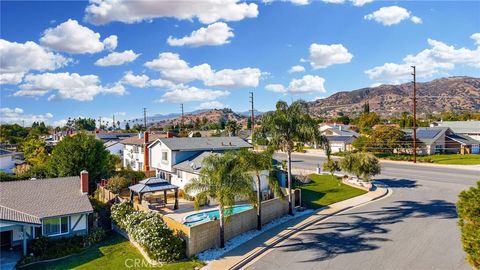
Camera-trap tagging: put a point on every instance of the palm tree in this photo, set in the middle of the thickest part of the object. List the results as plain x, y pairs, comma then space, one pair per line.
287, 125
222, 177
257, 162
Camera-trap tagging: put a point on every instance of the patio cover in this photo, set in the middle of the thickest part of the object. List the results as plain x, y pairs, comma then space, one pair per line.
154, 184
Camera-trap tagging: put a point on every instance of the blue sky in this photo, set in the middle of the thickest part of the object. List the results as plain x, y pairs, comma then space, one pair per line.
50, 53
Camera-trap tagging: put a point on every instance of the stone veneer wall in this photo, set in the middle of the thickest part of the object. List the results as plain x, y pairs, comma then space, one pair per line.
206, 235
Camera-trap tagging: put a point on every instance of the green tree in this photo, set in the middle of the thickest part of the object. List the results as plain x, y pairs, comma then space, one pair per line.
366, 107
363, 165
257, 162
287, 125
331, 166
223, 178
343, 119
117, 183
85, 124
81, 152
249, 123
12, 133
367, 121
232, 127
360, 143
35, 151
468, 208
127, 126
386, 139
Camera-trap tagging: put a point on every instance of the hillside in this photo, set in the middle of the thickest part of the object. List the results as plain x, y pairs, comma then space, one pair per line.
444, 94
211, 116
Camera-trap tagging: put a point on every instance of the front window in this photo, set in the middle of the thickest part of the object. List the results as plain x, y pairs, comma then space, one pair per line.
164, 156
55, 226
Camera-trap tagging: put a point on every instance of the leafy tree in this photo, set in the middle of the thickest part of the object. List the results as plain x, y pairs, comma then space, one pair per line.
367, 121
81, 152
343, 119
331, 166
84, 124
133, 176
232, 127
468, 208
365, 165
366, 107
287, 125
360, 143
249, 123
386, 139
223, 178
35, 151
257, 162
117, 183
127, 126
138, 128
12, 133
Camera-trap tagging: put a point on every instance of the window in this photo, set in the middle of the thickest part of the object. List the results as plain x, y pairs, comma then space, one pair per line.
55, 226
164, 156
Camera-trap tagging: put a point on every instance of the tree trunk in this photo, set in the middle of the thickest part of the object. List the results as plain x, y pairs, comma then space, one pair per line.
289, 177
222, 227
259, 203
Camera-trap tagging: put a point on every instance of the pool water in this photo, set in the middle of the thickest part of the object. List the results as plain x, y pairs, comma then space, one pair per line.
194, 219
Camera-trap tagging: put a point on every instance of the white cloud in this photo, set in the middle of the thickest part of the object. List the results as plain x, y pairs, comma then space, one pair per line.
74, 38
304, 85
207, 11
359, 3
139, 81
66, 86
188, 94
476, 38
117, 58
322, 56
296, 68
17, 115
111, 42
161, 83
215, 34
20, 58
439, 57
334, 1
392, 15
278, 88
307, 84
173, 68
300, 2
211, 105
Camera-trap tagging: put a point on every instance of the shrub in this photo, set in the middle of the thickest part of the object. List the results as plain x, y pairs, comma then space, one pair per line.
45, 248
120, 212
94, 236
331, 166
117, 183
468, 207
361, 164
131, 175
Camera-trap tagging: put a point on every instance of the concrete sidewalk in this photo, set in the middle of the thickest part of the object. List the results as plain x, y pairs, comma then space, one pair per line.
257, 247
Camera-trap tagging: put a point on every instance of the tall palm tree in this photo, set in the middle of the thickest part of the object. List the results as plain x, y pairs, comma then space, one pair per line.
222, 178
288, 125
257, 162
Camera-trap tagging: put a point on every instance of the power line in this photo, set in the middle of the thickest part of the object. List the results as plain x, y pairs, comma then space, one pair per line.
414, 115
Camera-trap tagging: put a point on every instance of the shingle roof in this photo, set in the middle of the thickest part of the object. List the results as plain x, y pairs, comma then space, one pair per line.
42, 198
463, 139
4, 152
113, 136
139, 141
461, 126
345, 139
193, 164
209, 143
428, 135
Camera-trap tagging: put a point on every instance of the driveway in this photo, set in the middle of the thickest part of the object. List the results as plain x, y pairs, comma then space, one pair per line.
414, 228
8, 259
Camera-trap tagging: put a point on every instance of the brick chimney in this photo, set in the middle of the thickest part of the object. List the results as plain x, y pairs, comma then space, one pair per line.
84, 182
146, 158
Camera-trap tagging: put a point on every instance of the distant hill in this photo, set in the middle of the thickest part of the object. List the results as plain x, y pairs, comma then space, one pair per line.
212, 116
445, 94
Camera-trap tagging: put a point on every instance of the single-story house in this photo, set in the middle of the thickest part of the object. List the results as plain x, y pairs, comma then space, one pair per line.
337, 130
467, 128
340, 143
56, 207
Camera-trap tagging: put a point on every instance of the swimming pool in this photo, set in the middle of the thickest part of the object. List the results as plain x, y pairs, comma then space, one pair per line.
194, 219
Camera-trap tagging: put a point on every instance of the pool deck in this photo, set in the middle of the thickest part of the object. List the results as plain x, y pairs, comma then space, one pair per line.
187, 208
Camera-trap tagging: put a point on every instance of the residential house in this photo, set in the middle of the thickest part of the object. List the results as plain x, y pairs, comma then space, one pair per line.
340, 143
442, 140
165, 153
9, 159
57, 207
339, 136
134, 150
113, 136
115, 148
466, 128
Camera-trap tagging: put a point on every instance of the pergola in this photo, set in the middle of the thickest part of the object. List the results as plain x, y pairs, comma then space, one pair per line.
151, 185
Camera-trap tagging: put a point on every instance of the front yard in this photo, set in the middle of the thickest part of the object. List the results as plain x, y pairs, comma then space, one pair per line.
447, 159
114, 253
325, 190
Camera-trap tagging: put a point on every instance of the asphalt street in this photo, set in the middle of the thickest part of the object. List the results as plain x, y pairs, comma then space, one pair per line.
413, 228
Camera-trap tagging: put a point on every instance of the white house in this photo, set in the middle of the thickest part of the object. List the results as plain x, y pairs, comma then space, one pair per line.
8, 160
467, 128
57, 207
115, 148
334, 129
134, 150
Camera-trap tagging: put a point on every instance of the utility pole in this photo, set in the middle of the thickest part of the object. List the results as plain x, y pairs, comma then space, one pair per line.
414, 114
253, 113
114, 122
145, 118
181, 119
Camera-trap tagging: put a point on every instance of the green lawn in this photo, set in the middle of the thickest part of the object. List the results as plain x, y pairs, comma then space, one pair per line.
452, 159
113, 254
325, 190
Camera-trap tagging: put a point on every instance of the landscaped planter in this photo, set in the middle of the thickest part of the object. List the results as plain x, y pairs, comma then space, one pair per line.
124, 234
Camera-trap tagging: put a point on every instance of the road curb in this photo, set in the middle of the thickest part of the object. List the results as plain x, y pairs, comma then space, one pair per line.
257, 253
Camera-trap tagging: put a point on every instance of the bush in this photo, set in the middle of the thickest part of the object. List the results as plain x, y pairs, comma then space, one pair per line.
150, 232
468, 207
94, 236
365, 165
120, 212
45, 248
131, 175
117, 183
331, 166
